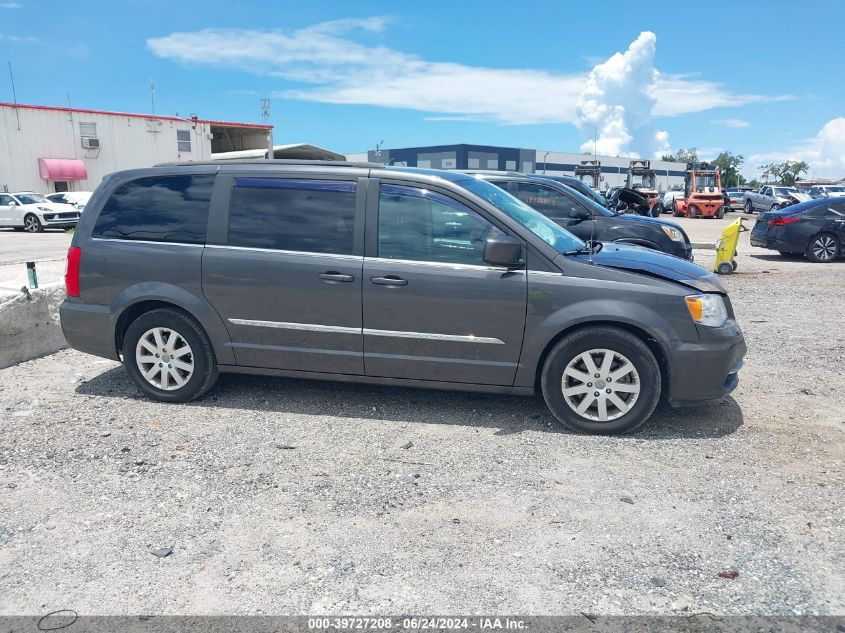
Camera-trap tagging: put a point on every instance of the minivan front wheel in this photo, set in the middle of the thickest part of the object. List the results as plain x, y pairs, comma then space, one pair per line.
601, 380
168, 356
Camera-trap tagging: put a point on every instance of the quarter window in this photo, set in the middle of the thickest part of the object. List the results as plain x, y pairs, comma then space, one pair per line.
183, 140
158, 209
422, 225
315, 216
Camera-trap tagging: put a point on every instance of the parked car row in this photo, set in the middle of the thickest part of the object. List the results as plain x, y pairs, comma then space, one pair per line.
772, 198
33, 212
391, 275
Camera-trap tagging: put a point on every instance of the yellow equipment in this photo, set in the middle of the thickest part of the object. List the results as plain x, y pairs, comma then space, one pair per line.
725, 263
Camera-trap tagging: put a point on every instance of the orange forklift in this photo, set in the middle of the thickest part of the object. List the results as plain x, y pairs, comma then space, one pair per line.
589, 171
702, 192
643, 179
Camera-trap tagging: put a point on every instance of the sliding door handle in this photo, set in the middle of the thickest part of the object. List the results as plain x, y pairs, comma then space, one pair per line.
389, 280
333, 275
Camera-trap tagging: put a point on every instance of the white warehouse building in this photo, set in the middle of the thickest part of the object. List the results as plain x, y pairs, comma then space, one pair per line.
50, 149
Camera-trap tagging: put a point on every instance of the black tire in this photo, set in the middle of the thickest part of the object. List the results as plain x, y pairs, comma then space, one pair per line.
694, 212
720, 213
205, 370
775, 207
749, 207
823, 248
32, 224
725, 268
734, 264
601, 338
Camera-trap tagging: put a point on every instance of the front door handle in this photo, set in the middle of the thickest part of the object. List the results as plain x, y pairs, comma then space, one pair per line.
333, 275
389, 280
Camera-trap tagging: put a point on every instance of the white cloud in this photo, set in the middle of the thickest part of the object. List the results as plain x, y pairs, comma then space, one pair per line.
618, 100
10, 5
19, 39
735, 123
332, 67
824, 152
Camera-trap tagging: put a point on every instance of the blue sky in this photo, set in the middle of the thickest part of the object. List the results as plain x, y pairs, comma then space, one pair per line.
744, 77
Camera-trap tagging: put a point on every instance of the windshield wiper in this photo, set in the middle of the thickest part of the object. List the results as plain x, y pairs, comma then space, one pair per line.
587, 248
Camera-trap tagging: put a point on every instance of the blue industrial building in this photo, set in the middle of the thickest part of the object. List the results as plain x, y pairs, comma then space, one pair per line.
614, 169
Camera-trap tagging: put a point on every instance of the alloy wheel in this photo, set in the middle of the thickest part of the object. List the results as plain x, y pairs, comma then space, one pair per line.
824, 248
31, 224
164, 358
600, 385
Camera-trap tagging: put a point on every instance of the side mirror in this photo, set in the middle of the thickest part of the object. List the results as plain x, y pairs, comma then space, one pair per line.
581, 214
503, 251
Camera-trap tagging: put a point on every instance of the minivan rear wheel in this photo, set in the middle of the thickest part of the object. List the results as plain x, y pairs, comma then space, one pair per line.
601, 380
168, 356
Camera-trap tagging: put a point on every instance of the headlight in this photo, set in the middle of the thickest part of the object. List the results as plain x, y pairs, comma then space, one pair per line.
674, 234
48, 209
708, 309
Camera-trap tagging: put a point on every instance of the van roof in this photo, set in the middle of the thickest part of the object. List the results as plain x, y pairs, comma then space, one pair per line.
444, 174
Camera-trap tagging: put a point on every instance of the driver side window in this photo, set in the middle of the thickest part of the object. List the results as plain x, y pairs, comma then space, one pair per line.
421, 225
550, 202
5, 200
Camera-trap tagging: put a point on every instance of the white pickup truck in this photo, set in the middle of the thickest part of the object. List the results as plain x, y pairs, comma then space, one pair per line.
772, 198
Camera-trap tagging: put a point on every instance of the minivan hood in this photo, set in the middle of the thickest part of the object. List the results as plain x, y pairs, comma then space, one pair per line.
646, 261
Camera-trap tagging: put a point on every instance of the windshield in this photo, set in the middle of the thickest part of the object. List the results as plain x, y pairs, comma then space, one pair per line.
836, 189
704, 180
30, 198
785, 191
555, 236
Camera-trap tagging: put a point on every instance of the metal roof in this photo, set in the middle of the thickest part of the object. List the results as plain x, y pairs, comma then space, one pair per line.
263, 126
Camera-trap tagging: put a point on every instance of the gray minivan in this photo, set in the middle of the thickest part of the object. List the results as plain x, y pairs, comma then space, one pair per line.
400, 276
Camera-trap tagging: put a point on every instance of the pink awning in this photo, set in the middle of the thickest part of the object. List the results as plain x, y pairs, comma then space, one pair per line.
62, 169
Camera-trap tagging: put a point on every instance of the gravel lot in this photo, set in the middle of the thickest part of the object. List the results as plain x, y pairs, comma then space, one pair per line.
282, 496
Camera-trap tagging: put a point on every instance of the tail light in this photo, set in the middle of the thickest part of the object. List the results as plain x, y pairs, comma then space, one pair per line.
789, 219
74, 254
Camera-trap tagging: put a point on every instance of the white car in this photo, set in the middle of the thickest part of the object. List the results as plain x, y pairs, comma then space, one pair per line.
29, 211
667, 202
77, 198
827, 191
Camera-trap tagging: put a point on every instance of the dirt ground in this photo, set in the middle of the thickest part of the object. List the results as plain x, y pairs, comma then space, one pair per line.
285, 497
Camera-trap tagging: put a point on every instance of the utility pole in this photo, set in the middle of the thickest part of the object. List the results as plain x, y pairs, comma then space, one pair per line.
14, 95
265, 118
153, 97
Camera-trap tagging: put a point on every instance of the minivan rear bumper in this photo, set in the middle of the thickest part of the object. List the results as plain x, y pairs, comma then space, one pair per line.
88, 328
706, 370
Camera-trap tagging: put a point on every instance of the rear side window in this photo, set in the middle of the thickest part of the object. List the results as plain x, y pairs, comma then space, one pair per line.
314, 216
158, 209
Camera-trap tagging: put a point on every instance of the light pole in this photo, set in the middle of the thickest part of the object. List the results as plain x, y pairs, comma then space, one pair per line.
544, 162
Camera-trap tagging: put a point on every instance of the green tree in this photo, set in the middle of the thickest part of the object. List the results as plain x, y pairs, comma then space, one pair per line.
730, 164
785, 173
682, 156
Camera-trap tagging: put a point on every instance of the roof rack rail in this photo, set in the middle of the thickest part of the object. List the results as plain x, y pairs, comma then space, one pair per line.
273, 161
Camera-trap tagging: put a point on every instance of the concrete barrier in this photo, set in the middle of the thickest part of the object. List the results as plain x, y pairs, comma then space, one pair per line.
29, 327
